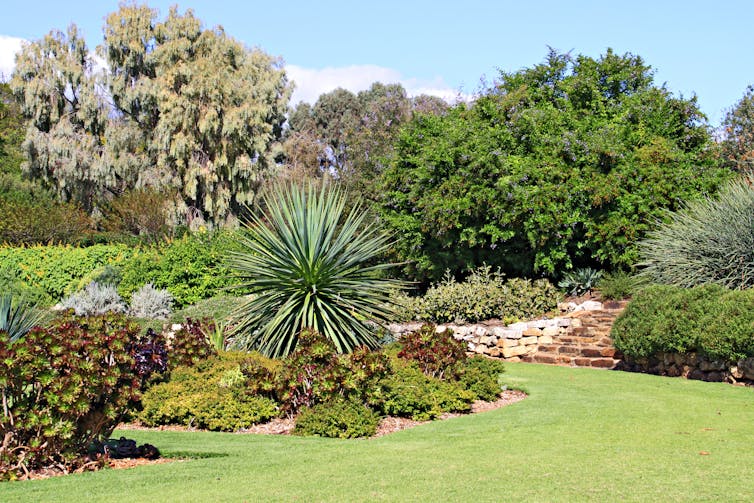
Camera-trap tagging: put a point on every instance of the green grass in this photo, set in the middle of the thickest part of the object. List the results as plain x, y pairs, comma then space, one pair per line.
581, 435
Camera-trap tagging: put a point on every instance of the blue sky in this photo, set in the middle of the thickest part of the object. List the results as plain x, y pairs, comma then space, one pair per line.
446, 47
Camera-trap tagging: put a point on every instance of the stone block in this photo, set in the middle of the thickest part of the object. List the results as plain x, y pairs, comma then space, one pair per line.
480, 330
607, 363
508, 343
568, 350
441, 329
575, 323
514, 351
532, 332
608, 352
486, 340
529, 340
591, 305
545, 358
591, 352
494, 352
545, 339
481, 349
518, 326
746, 366
564, 322
551, 331
537, 324
508, 333
582, 362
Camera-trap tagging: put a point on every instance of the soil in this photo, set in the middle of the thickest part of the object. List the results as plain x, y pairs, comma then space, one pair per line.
280, 426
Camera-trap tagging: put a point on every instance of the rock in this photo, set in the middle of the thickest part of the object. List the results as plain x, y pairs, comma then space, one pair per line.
532, 332
537, 324
564, 322
567, 307
494, 352
487, 341
746, 366
507, 333
736, 372
508, 343
591, 305
545, 339
576, 323
440, 329
696, 374
551, 331
529, 340
481, 349
514, 351
480, 330
518, 326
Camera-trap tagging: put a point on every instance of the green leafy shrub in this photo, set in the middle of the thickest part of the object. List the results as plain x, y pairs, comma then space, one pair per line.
212, 394
149, 302
580, 281
53, 272
338, 418
17, 317
483, 295
710, 241
482, 377
620, 285
408, 392
67, 385
94, 299
709, 319
438, 355
311, 265
216, 308
191, 268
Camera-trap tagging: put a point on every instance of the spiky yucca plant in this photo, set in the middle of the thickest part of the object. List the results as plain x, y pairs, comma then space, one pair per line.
310, 264
710, 241
17, 318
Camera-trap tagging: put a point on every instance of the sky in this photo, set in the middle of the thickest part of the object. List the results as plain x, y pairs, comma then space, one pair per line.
447, 48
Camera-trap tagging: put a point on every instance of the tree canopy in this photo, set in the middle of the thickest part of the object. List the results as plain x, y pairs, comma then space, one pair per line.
564, 164
738, 134
179, 108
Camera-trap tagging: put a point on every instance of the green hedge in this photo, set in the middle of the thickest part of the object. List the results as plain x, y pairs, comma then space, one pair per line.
709, 319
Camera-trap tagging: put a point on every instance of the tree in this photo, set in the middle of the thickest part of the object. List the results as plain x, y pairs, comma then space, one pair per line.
738, 134
192, 112
565, 164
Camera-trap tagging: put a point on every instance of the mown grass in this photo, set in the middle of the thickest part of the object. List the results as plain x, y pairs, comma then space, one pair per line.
581, 435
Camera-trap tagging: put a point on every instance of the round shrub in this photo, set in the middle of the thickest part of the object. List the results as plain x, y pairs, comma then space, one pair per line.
338, 418
481, 376
709, 319
438, 355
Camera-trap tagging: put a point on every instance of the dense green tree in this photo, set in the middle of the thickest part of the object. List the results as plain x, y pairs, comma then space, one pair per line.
193, 112
565, 164
738, 134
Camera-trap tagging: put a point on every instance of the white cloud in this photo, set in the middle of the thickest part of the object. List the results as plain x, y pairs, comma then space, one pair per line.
9, 46
311, 83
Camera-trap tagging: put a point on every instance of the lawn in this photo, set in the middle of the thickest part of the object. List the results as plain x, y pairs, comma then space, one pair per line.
582, 434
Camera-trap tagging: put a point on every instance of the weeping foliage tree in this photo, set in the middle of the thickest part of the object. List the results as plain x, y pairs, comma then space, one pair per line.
710, 241
180, 108
311, 264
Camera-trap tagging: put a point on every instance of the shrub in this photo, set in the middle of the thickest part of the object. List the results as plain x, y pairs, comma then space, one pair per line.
482, 296
580, 281
28, 222
148, 302
190, 268
17, 317
482, 377
216, 308
67, 385
408, 392
311, 265
709, 320
438, 355
52, 272
140, 212
711, 241
337, 418
620, 285
190, 344
94, 299
206, 396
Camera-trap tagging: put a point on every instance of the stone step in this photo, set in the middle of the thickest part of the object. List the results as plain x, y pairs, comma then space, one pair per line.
570, 360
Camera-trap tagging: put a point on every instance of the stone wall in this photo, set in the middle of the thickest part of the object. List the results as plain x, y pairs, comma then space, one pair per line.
692, 366
580, 336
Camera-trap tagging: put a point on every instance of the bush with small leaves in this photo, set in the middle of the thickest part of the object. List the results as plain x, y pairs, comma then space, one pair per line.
68, 385
337, 418
149, 302
190, 344
620, 285
482, 377
94, 299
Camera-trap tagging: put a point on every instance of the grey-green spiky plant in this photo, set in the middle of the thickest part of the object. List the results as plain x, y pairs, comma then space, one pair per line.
709, 241
17, 318
310, 264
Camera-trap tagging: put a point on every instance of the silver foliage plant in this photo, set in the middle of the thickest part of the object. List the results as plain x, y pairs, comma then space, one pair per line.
94, 299
710, 241
150, 302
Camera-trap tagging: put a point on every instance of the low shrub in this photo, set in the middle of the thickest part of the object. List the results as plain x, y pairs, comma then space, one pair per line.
42, 220
139, 212
94, 299
216, 308
207, 396
482, 377
149, 302
337, 418
191, 268
408, 392
710, 320
190, 344
483, 295
438, 355
67, 385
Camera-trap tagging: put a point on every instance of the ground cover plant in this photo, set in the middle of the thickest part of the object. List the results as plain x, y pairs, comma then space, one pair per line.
581, 435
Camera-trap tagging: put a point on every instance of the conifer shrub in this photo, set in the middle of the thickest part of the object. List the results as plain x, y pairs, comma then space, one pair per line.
337, 418
65, 386
710, 320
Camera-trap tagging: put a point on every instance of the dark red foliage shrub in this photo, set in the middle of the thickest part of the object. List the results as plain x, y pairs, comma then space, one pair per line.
190, 344
65, 386
438, 355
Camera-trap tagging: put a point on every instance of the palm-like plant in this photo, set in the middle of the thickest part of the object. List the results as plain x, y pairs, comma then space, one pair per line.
310, 264
17, 318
